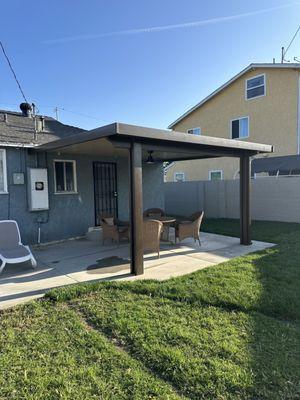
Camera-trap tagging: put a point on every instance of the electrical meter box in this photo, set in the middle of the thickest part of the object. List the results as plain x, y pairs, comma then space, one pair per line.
38, 195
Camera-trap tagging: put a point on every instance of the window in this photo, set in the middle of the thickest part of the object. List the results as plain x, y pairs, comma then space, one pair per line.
65, 176
179, 177
3, 173
240, 128
255, 87
194, 131
216, 175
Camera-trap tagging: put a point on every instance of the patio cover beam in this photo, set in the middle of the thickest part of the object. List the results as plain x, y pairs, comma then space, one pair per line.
166, 151
245, 219
136, 209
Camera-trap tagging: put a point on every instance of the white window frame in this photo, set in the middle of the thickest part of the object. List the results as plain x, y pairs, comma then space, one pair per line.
265, 87
4, 191
74, 174
215, 170
239, 118
191, 129
179, 172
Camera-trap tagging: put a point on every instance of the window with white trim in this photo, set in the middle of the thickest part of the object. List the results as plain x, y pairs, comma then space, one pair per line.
65, 176
179, 177
216, 175
3, 171
194, 131
239, 128
255, 87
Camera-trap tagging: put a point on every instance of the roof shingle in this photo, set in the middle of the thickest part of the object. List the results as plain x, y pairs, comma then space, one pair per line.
15, 129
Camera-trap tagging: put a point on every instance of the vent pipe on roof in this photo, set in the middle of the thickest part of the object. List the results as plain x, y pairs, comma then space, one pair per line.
5, 118
26, 109
39, 124
33, 109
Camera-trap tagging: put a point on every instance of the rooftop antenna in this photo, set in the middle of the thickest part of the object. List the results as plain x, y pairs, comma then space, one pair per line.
283, 51
56, 113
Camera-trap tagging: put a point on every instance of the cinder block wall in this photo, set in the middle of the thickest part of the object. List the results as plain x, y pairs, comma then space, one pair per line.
272, 199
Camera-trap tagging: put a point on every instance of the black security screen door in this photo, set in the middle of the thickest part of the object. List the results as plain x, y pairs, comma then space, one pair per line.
105, 188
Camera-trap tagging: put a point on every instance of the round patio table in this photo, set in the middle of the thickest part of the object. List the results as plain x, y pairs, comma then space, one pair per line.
166, 221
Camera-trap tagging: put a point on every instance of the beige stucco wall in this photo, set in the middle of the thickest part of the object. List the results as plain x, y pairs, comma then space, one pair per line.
272, 120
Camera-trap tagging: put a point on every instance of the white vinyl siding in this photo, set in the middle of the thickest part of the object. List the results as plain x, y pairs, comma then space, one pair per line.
3, 171
255, 87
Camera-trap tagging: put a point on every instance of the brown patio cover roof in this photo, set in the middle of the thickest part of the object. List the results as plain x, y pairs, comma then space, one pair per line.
166, 145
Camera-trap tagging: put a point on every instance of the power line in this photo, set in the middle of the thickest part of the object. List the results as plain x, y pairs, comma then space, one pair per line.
289, 45
13, 72
74, 112
56, 109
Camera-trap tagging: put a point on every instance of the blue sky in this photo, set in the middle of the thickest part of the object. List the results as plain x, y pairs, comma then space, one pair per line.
74, 54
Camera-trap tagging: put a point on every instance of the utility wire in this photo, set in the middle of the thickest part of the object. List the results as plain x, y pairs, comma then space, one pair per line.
13, 72
293, 38
59, 109
83, 115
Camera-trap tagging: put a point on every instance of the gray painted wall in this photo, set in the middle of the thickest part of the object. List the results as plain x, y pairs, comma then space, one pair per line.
69, 215
272, 199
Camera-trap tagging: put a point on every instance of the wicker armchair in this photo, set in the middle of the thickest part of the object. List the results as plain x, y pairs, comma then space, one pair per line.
154, 213
151, 235
189, 228
113, 229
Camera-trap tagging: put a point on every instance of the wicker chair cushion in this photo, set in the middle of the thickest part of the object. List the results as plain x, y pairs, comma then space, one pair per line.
109, 221
154, 215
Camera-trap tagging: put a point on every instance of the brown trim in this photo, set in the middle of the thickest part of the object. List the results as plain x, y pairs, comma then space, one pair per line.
118, 132
245, 219
136, 209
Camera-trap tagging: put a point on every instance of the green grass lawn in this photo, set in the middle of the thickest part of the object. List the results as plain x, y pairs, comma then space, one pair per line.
227, 332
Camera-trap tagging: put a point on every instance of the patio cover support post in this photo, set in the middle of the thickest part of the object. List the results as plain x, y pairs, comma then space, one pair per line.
245, 219
136, 209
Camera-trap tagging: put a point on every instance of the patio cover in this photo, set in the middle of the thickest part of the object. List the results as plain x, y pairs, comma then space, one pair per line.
136, 141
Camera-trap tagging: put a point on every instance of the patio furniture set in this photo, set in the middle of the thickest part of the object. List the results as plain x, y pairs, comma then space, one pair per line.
156, 228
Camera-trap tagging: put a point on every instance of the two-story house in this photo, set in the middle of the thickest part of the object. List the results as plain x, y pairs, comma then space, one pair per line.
260, 104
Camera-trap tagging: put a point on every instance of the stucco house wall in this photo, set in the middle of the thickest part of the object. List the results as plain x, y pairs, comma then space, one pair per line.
273, 119
69, 215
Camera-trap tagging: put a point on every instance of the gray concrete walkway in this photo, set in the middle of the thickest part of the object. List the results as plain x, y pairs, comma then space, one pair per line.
85, 260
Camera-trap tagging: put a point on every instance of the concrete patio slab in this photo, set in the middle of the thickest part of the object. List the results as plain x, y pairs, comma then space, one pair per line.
76, 261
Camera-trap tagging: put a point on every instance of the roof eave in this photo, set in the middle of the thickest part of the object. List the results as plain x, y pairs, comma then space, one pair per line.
119, 132
16, 144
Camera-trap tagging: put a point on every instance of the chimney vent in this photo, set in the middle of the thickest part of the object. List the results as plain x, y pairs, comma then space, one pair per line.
26, 109
5, 118
33, 109
40, 124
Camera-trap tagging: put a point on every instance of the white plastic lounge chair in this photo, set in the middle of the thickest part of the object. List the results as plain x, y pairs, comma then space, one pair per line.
12, 251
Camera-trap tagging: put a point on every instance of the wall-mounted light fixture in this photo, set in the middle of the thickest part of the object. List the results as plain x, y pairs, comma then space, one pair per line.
150, 158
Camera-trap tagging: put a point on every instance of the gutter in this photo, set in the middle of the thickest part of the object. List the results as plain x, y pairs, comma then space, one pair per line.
22, 145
